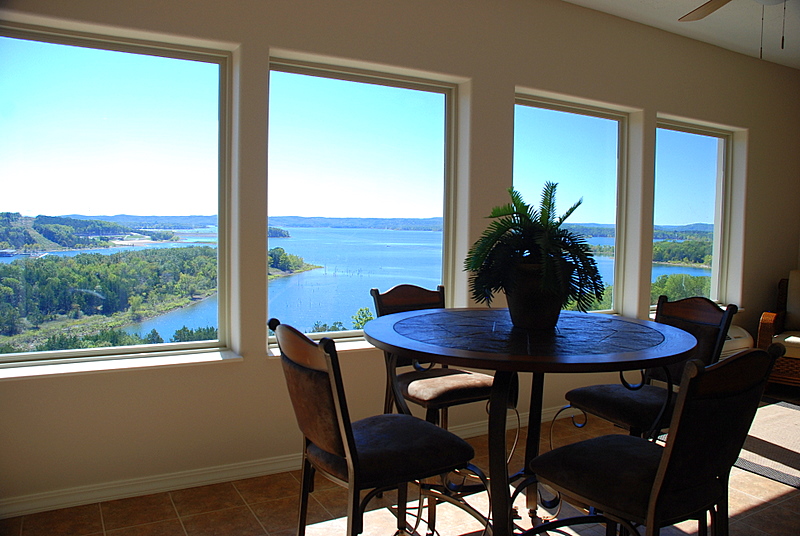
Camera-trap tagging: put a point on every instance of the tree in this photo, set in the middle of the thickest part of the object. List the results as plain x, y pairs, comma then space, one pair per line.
9, 320
679, 286
280, 260
200, 334
153, 338
361, 317
135, 303
320, 327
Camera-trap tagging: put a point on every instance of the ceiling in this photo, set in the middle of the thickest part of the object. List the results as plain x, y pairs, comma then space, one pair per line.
735, 26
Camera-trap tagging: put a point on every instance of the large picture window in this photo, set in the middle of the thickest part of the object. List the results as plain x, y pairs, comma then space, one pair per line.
108, 215
690, 173
579, 151
356, 188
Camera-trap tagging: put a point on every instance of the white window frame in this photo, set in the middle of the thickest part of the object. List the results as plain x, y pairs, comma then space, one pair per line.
720, 268
367, 76
224, 59
622, 119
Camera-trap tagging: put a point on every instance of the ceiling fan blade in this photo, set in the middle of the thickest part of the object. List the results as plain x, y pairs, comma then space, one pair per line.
703, 11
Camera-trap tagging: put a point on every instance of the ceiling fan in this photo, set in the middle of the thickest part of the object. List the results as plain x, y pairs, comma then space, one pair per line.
712, 5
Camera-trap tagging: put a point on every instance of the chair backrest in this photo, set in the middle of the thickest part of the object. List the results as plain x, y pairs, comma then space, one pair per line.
314, 380
401, 298
701, 317
714, 410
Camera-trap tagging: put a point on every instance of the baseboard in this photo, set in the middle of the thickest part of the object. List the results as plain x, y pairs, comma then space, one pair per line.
65, 498
51, 500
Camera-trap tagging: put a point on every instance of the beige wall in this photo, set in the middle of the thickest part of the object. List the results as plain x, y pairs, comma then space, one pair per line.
82, 437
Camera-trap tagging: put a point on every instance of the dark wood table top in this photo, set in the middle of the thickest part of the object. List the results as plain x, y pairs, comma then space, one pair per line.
486, 339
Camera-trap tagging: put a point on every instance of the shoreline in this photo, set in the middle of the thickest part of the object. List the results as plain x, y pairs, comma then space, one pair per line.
134, 243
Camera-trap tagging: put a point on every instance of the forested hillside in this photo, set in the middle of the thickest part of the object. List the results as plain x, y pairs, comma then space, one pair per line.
44, 289
50, 233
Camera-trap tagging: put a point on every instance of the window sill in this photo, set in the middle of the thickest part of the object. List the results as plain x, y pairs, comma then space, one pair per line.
343, 344
15, 371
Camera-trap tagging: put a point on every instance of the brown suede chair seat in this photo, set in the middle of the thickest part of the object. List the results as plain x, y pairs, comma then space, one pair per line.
637, 409
648, 409
444, 387
393, 447
435, 388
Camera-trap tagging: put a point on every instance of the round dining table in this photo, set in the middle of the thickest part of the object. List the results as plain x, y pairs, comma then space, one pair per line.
483, 338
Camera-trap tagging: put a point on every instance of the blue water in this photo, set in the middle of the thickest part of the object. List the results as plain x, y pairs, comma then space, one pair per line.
353, 261
198, 315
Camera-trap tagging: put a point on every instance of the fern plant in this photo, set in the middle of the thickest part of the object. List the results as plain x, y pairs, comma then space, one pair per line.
523, 235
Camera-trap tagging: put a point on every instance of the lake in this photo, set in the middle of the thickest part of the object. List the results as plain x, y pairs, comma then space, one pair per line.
354, 261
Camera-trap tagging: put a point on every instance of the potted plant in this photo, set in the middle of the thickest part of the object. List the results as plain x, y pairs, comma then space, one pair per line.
540, 266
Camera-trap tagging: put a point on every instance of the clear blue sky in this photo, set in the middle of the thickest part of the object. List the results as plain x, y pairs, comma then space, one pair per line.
101, 132
580, 154
346, 149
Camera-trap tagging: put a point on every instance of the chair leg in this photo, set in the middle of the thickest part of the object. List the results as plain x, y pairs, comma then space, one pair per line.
307, 484
388, 399
719, 522
432, 416
355, 519
443, 420
702, 524
431, 513
402, 502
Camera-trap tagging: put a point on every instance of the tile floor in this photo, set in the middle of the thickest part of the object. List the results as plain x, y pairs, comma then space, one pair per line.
267, 506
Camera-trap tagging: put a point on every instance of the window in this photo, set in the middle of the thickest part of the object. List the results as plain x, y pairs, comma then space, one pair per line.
690, 172
357, 168
110, 161
579, 150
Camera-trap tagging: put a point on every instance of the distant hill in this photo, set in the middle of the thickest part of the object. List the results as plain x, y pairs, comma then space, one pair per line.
399, 224
661, 232
691, 227
408, 224
49, 233
154, 222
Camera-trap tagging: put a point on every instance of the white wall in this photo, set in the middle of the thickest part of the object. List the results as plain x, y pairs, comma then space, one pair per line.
74, 438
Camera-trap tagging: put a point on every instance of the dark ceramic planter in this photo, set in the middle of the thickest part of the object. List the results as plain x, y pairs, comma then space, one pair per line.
529, 307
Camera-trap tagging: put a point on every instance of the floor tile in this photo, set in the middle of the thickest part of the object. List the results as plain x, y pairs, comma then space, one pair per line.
137, 511
206, 499
737, 528
265, 488
11, 526
741, 503
282, 514
172, 527
77, 521
230, 522
334, 500
759, 486
776, 521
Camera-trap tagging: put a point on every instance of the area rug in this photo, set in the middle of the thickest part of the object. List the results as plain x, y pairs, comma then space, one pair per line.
772, 448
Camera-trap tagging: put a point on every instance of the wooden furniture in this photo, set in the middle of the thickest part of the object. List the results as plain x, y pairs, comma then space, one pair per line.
646, 409
435, 388
370, 455
486, 339
783, 326
635, 481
